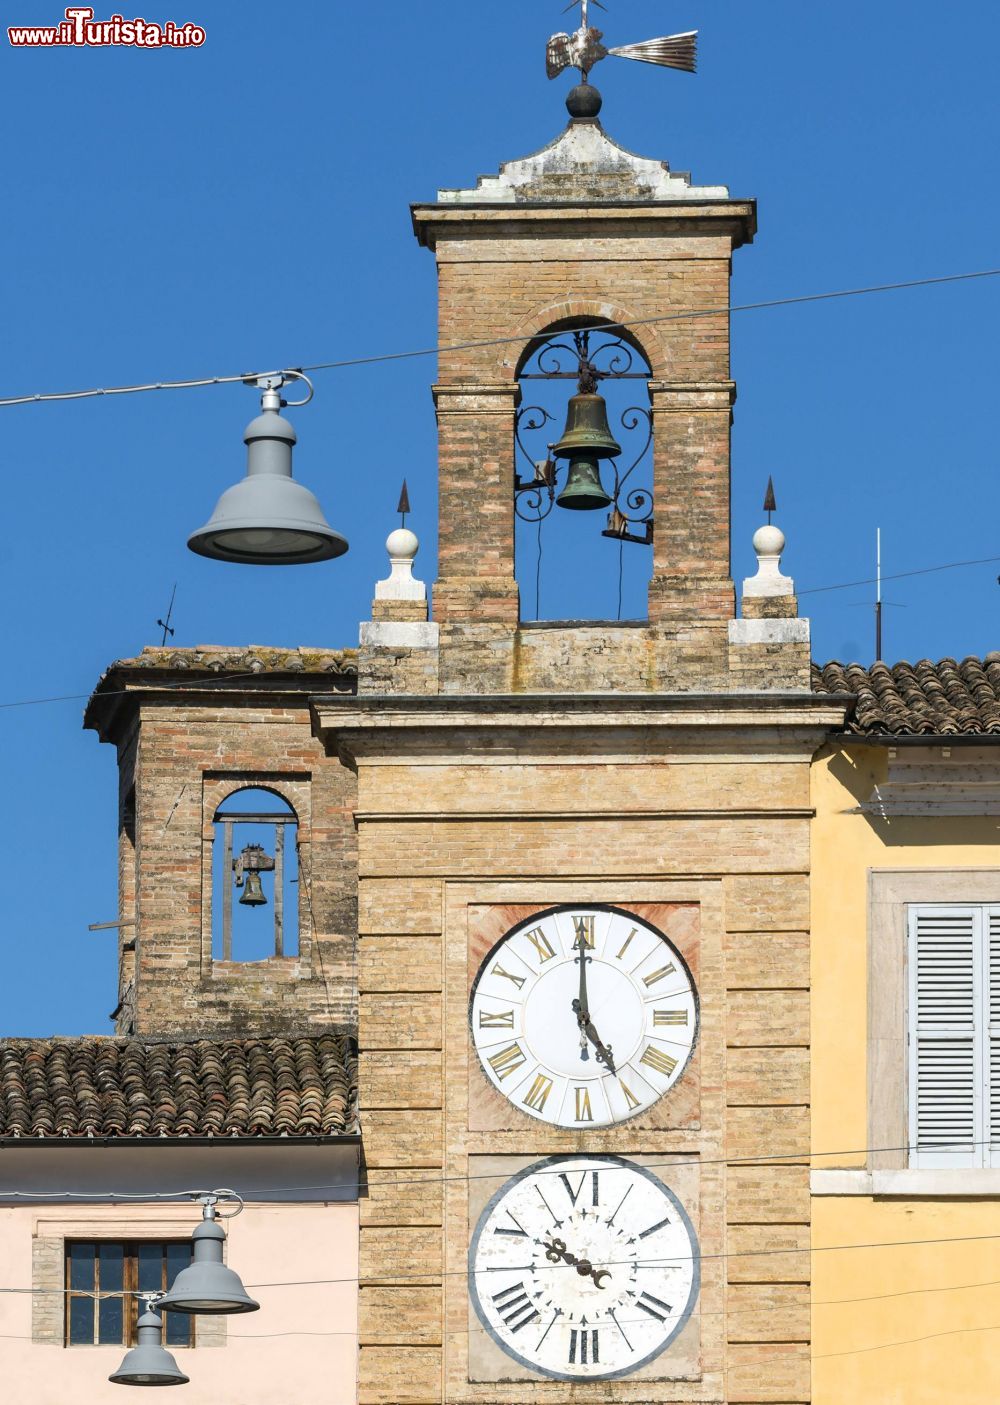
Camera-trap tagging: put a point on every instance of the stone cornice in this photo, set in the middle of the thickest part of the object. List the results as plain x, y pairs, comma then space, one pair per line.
741, 721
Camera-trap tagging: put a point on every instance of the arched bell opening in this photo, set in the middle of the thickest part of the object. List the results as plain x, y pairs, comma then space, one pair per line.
583, 498
255, 877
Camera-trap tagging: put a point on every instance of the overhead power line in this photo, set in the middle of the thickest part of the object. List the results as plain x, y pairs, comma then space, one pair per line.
451, 349
323, 1189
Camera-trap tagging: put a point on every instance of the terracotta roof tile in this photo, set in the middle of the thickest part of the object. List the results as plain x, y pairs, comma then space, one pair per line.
948, 698
100, 1087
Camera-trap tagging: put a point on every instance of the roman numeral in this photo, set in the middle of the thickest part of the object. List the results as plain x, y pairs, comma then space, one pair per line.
670, 1017
537, 1094
500, 1021
656, 1058
584, 929
498, 970
574, 1195
654, 1227
627, 943
506, 1061
583, 1112
657, 976
630, 1097
660, 1310
542, 945
515, 1308
583, 1346
517, 1233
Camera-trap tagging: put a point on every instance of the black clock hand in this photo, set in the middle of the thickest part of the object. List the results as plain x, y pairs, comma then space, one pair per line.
580, 1004
581, 1007
603, 1052
556, 1252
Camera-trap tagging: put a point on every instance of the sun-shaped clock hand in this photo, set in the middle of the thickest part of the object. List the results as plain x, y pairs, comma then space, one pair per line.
556, 1252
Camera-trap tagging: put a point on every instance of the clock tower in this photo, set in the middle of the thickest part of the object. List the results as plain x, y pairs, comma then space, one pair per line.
583, 846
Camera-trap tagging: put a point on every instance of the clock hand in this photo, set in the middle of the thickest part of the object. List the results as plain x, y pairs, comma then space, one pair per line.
556, 1252
603, 1052
582, 1003
581, 1008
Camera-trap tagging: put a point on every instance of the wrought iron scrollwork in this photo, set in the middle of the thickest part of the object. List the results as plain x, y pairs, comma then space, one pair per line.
534, 497
589, 364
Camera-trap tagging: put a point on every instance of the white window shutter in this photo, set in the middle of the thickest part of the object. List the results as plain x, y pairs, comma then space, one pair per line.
992, 1002
946, 990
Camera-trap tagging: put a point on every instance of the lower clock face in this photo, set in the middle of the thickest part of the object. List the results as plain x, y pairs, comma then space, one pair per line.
584, 1268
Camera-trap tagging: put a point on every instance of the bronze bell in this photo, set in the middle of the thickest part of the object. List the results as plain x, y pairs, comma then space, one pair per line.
583, 489
587, 429
586, 440
253, 893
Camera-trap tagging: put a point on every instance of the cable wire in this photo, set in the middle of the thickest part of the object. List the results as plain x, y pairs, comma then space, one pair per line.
451, 349
759, 1159
393, 1277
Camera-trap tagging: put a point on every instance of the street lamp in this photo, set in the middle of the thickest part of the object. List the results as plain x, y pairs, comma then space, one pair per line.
207, 1285
148, 1363
268, 519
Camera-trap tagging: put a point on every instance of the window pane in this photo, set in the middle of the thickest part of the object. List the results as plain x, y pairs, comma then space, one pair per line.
111, 1319
81, 1321
81, 1266
178, 1328
178, 1257
150, 1257
112, 1259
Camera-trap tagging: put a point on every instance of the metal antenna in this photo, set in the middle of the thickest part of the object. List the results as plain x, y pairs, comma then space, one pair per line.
878, 593
403, 506
769, 503
165, 624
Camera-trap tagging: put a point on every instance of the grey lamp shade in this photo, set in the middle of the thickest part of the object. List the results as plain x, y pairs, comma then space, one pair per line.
268, 519
148, 1363
207, 1285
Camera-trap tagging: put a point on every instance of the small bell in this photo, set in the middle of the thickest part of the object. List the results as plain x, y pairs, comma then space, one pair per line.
253, 892
583, 490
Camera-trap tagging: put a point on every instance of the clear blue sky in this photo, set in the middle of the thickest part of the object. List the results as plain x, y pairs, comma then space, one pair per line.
172, 214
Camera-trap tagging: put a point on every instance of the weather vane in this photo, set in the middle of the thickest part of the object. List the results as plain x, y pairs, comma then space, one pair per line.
584, 48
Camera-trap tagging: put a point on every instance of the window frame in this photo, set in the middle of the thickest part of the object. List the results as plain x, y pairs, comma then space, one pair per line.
891, 891
129, 1291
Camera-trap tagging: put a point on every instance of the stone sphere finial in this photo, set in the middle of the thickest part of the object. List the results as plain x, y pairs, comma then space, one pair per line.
402, 544
768, 541
584, 102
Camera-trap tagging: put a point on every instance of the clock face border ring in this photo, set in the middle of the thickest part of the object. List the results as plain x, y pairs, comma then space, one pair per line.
547, 1164
618, 910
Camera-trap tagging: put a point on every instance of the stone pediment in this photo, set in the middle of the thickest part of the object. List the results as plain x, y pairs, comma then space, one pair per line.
583, 166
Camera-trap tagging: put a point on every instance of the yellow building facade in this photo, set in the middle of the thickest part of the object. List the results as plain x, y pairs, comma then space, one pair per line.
905, 882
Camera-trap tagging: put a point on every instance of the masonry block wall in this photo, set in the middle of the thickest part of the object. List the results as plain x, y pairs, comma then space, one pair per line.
511, 272
186, 741
461, 824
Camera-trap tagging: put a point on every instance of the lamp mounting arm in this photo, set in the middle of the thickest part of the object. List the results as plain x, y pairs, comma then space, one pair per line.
270, 383
209, 1201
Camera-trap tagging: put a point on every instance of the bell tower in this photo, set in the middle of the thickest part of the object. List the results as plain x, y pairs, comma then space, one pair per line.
583, 846
584, 234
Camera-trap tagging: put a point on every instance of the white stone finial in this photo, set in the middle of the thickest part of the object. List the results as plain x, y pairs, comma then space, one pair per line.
402, 546
768, 543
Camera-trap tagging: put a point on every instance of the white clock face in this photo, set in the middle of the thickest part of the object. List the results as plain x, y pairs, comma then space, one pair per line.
584, 1268
583, 1016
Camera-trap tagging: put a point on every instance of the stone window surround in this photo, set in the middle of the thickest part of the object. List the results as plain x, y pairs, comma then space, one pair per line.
50, 1233
890, 893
